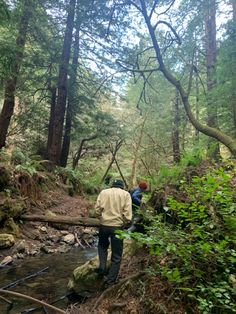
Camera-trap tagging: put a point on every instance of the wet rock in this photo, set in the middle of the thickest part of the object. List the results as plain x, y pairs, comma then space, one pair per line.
88, 238
69, 239
7, 260
20, 255
85, 280
53, 238
64, 232
33, 252
90, 231
47, 249
63, 249
6, 240
20, 247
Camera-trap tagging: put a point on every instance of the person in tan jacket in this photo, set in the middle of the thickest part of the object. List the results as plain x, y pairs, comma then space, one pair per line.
114, 209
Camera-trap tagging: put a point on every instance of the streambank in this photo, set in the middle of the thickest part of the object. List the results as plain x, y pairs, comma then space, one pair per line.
50, 285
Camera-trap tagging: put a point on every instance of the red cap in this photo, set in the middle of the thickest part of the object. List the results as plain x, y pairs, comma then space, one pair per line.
143, 185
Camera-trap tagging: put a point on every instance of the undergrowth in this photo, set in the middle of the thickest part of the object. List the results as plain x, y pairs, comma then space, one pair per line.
197, 254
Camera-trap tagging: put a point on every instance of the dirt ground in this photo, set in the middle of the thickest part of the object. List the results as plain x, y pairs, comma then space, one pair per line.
40, 237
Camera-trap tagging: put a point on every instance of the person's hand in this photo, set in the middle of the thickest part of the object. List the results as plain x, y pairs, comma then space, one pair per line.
127, 225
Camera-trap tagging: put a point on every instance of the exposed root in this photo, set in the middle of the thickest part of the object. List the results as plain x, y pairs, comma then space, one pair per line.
120, 287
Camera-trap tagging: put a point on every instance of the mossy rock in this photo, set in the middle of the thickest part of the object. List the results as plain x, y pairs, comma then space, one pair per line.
6, 240
12, 227
10, 208
86, 281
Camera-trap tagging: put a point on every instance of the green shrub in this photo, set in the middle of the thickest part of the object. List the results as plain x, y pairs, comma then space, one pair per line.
198, 254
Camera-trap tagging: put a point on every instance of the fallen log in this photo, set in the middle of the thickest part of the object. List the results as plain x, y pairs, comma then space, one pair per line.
79, 221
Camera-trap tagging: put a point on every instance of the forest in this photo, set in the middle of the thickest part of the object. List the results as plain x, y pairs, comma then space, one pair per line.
139, 90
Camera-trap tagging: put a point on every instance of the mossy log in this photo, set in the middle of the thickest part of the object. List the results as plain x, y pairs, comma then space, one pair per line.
79, 221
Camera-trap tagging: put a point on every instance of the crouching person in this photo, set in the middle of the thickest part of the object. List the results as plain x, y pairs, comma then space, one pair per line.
114, 209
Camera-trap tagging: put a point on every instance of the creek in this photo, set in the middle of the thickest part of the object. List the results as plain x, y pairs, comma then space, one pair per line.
48, 286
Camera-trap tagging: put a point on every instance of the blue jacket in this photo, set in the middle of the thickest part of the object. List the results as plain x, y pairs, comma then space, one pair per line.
136, 196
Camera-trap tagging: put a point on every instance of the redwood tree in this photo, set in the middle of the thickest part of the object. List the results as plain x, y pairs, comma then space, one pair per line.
11, 83
210, 44
54, 150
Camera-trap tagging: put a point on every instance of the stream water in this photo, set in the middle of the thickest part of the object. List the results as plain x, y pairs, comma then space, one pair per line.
49, 286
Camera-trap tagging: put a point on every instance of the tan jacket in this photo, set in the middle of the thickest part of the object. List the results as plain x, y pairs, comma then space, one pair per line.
114, 207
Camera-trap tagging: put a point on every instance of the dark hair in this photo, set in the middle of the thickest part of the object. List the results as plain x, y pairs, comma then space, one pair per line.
118, 184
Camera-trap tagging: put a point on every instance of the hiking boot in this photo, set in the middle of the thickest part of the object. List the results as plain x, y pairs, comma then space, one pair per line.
100, 272
107, 284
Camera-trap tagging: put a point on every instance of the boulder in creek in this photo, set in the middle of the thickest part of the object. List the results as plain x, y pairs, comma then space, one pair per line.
6, 240
85, 280
69, 239
7, 260
20, 247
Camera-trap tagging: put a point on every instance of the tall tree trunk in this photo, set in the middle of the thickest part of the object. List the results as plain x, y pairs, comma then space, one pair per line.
54, 151
53, 91
234, 65
223, 138
210, 43
175, 130
10, 88
71, 99
136, 146
197, 107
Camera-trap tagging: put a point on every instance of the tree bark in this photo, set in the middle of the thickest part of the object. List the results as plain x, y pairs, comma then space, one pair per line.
175, 131
234, 65
210, 44
71, 96
121, 174
59, 113
133, 178
79, 151
223, 138
11, 83
78, 221
197, 100
114, 152
53, 91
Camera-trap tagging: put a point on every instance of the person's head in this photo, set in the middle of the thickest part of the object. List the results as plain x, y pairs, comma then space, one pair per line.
143, 185
118, 184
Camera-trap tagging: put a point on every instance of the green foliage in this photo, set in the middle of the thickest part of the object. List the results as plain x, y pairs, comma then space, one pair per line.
26, 167
24, 163
4, 157
71, 177
18, 157
173, 174
68, 173
198, 255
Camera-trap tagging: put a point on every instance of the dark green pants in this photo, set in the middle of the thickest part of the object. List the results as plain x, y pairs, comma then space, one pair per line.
106, 237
